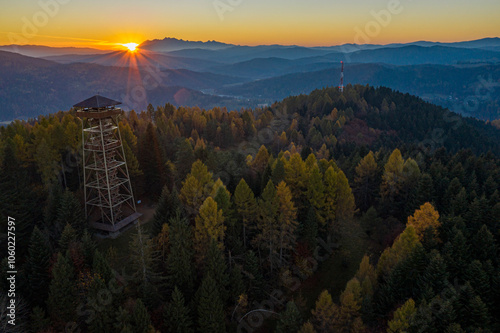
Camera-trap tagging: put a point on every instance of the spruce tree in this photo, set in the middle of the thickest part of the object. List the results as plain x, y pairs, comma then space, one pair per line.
211, 317
62, 291
101, 267
162, 212
180, 264
246, 206
37, 267
68, 236
366, 182
290, 320
310, 228
176, 315
141, 321
70, 211
216, 267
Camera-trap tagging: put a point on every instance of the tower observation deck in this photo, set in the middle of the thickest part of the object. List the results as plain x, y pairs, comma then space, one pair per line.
109, 199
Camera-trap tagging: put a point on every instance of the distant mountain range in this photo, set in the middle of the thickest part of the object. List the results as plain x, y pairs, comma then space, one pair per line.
464, 76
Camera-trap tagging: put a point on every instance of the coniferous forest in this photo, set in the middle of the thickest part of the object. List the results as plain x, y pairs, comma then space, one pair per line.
363, 211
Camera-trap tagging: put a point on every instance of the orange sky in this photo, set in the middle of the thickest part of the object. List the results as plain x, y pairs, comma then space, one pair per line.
101, 24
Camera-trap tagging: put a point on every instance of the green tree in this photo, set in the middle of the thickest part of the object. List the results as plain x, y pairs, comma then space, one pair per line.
316, 193
62, 292
151, 162
267, 235
391, 188
70, 211
141, 321
402, 317
246, 207
176, 315
289, 320
168, 205
68, 236
37, 267
366, 182
180, 259
211, 316
216, 267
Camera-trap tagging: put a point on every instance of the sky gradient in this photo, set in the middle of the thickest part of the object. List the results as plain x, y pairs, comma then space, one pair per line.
105, 24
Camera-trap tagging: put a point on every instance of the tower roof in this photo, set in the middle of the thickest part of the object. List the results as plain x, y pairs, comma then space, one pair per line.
96, 102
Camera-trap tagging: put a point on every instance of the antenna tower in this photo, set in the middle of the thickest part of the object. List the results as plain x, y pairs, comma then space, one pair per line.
341, 87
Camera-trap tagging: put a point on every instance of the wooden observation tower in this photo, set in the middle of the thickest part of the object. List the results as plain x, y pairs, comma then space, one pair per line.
109, 199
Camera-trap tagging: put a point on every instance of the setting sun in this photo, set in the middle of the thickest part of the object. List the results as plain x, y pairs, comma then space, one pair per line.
131, 46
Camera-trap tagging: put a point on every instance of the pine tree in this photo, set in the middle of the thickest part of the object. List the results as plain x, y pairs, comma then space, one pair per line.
246, 207
349, 319
101, 267
102, 320
62, 292
254, 278
296, 179
237, 287
184, 158
143, 262
267, 235
436, 274
39, 320
216, 267
345, 199
307, 328
68, 236
289, 320
50, 212
209, 226
211, 318
141, 321
176, 315
401, 249
366, 182
391, 188
316, 193
483, 246
425, 191
367, 276
287, 221
402, 317
424, 218
151, 162
278, 173
196, 188
479, 316
16, 199
37, 267
162, 213
180, 259
330, 199
325, 313
261, 160
88, 248
310, 228
478, 280
70, 211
